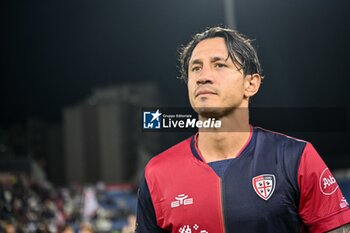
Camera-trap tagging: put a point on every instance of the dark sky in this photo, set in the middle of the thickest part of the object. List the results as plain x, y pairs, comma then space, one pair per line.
53, 53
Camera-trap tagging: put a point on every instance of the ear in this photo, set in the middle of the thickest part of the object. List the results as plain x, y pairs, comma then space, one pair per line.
251, 84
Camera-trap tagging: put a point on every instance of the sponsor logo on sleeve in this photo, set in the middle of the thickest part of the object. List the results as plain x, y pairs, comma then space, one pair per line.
343, 203
328, 184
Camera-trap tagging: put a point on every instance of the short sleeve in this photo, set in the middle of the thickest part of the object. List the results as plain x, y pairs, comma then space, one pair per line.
146, 221
322, 205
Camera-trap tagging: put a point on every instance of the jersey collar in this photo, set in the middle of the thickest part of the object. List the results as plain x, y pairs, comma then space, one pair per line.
196, 153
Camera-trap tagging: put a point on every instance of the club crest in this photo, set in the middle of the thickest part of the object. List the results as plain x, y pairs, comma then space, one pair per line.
264, 185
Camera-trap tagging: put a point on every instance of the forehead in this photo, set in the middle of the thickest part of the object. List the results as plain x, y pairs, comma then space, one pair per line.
209, 48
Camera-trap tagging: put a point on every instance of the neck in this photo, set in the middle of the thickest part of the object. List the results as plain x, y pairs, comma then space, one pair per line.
226, 142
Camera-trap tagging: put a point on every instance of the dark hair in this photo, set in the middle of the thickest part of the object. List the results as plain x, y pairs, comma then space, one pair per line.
238, 45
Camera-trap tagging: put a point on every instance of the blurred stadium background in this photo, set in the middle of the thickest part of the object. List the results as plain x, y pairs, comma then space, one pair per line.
75, 75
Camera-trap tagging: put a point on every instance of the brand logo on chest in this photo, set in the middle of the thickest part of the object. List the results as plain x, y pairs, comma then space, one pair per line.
264, 185
181, 199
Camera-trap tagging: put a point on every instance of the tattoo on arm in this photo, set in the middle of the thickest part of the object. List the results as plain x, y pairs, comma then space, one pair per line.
342, 229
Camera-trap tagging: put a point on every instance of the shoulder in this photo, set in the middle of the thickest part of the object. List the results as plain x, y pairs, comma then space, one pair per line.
169, 157
280, 147
278, 139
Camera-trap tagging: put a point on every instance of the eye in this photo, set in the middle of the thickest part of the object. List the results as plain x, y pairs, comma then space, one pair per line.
195, 68
220, 65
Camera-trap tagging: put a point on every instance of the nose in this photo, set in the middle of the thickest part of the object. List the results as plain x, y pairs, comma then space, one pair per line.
205, 76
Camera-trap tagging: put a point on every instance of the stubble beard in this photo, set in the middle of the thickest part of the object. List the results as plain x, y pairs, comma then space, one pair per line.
213, 112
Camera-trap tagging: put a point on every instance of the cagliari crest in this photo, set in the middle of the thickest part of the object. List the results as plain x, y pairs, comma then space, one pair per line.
264, 185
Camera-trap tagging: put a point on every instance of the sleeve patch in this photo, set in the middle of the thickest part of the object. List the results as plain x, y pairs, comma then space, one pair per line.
328, 184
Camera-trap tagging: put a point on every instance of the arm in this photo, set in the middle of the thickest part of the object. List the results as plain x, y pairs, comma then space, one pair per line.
322, 206
342, 229
146, 220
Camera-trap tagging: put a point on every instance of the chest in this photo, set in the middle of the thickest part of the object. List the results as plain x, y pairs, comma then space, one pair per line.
251, 188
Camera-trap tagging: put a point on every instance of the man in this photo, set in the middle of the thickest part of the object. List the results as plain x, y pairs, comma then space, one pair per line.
238, 178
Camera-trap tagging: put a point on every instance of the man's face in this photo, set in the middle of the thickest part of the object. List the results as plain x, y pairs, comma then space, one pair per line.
214, 81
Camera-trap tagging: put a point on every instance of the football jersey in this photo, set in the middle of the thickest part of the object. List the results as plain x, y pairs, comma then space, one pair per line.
275, 184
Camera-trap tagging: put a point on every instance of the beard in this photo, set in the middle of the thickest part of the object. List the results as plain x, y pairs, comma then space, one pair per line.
212, 112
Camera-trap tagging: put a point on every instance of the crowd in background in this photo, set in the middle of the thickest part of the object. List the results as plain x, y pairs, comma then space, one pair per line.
26, 207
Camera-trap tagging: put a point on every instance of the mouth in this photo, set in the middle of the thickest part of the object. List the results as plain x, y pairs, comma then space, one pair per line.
203, 92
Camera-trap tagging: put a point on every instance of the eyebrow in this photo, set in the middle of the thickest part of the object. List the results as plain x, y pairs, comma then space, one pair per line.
196, 61
213, 59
